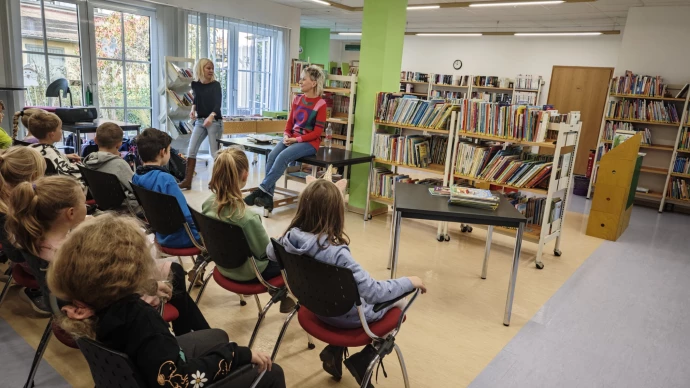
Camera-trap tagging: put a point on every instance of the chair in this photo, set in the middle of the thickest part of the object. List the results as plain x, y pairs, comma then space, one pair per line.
163, 214
16, 142
50, 168
227, 246
330, 291
111, 369
105, 189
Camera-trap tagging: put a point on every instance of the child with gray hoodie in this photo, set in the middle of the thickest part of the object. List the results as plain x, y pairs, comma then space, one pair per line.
318, 231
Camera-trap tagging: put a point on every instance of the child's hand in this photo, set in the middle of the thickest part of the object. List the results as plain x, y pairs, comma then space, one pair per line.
73, 158
262, 360
418, 283
289, 141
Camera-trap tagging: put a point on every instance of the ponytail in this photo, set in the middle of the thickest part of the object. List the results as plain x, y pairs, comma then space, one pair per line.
226, 180
15, 123
17, 165
25, 115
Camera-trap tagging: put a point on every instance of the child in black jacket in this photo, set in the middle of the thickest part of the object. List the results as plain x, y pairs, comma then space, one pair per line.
101, 271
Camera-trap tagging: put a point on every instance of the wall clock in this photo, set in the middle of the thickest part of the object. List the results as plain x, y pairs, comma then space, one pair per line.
457, 65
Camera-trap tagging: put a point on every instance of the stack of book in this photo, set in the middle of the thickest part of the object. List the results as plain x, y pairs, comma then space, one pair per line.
412, 111
684, 141
448, 95
339, 105
641, 109
185, 99
439, 146
519, 122
638, 85
440, 191
511, 167
471, 197
678, 188
527, 81
489, 81
525, 98
413, 150
682, 165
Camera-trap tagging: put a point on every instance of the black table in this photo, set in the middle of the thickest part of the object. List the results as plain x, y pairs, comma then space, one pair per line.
324, 157
11, 88
414, 201
79, 128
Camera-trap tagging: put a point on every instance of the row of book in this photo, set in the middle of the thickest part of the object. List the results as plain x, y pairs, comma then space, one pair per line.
448, 79
684, 141
182, 72
520, 122
483, 81
410, 110
184, 127
448, 95
682, 165
413, 150
493, 97
184, 99
510, 166
533, 208
611, 127
439, 147
525, 98
337, 104
643, 110
296, 70
414, 76
528, 82
384, 182
678, 188
639, 85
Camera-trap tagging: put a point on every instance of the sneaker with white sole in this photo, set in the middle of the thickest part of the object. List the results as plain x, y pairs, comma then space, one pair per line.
35, 299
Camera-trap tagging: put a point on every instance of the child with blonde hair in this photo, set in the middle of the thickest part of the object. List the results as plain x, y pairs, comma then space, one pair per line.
230, 172
47, 127
318, 231
24, 116
100, 271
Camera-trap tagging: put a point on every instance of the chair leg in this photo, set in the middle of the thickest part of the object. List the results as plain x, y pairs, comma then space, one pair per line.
402, 365
6, 288
282, 333
199, 270
310, 341
369, 372
39, 353
203, 287
262, 315
179, 260
242, 301
258, 303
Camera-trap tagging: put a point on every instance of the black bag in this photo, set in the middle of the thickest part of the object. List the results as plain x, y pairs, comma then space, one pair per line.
177, 165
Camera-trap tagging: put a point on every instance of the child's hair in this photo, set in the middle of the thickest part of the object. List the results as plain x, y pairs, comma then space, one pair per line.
321, 211
43, 123
100, 262
34, 207
199, 70
108, 135
226, 179
17, 165
2, 105
316, 75
150, 143
25, 115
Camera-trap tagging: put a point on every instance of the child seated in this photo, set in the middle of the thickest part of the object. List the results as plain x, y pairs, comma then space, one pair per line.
101, 271
230, 171
47, 128
318, 231
5, 139
25, 115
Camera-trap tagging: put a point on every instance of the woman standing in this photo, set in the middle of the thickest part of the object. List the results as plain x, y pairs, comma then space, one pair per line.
301, 138
208, 121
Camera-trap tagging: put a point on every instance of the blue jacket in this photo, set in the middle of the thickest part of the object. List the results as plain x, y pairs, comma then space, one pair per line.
158, 179
371, 291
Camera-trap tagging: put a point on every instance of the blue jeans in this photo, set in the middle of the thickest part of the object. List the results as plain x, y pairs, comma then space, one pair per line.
214, 132
278, 161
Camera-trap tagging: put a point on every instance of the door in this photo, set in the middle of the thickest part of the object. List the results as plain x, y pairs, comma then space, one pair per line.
583, 89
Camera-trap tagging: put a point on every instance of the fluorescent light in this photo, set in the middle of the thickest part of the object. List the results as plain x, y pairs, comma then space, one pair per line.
321, 2
451, 34
416, 7
557, 33
350, 33
491, 4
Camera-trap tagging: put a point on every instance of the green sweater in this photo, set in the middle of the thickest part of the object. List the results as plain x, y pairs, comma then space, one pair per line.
253, 230
5, 140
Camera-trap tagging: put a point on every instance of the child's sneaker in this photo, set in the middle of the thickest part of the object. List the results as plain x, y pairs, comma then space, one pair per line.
35, 299
358, 363
332, 358
287, 304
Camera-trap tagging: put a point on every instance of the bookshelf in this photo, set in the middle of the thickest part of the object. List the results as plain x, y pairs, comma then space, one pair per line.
647, 105
175, 92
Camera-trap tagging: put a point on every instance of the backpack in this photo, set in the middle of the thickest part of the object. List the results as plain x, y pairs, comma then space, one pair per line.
177, 165
131, 153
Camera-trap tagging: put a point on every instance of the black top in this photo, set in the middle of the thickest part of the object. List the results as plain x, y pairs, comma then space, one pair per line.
207, 98
414, 201
133, 327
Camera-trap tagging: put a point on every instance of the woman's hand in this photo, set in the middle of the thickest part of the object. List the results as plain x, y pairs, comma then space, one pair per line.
192, 114
418, 283
289, 141
262, 360
208, 121
74, 158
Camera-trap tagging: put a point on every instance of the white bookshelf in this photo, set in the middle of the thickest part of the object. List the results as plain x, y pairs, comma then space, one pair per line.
173, 112
427, 89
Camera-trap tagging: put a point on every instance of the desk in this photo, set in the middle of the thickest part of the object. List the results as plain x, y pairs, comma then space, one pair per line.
324, 157
414, 201
79, 128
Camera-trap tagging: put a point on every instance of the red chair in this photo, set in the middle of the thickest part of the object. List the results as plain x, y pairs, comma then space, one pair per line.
227, 246
331, 291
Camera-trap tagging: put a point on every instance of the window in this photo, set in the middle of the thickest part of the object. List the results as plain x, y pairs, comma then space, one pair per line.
51, 49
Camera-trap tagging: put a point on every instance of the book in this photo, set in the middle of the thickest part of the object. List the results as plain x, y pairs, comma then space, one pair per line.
643, 110
638, 85
471, 197
442, 191
622, 135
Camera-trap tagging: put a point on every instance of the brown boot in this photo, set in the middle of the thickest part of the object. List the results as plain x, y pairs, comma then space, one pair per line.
188, 175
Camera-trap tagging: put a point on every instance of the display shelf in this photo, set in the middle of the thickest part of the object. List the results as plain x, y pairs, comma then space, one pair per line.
530, 190
654, 170
505, 140
526, 90
430, 130
642, 122
175, 84
638, 97
379, 199
432, 169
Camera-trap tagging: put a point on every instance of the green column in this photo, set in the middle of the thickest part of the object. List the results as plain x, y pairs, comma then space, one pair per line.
383, 33
316, 45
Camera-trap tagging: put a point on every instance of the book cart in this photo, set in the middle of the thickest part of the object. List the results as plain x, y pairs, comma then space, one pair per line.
665, 145
175, 111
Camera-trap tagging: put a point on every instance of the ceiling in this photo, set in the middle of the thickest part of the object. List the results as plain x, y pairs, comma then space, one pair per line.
597, 15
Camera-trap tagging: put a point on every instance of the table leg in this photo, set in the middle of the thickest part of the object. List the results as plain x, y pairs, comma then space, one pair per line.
77, 141
513, 275
392, 238
395, 242
366, 204
487, 250
313, 171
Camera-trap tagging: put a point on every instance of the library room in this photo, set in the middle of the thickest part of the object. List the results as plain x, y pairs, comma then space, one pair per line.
217, 194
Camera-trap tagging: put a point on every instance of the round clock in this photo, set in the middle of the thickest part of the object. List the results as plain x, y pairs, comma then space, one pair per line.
457, 65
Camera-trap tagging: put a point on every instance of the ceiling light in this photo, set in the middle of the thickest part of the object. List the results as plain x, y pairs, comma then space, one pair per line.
350, 33
557, 33
416, 7
321, 2
450, 34
492, 4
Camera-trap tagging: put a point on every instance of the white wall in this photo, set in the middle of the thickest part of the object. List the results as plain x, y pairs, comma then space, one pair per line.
507, 56
338, 53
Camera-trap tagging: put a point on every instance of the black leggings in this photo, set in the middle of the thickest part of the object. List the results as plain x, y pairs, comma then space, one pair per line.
190, 317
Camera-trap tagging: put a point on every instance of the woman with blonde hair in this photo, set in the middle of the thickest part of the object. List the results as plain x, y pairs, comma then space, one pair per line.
301, 138
208, 120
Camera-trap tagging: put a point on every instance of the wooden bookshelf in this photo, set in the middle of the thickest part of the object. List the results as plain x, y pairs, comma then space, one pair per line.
436, 86
642, 122
680, 175
683, 151
432, 169
379, 199
648, 196
336, 136
505, 140
530, 190
414, 82
415, 128
337, 90
654, 170
649, 146
526, 90
450, 86
338, 120
500, 89
639, 97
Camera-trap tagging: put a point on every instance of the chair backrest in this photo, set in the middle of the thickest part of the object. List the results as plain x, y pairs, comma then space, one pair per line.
10, 250
50, 167
16, 142
325, 289
162, 211
105, 188
225, 243
110, 369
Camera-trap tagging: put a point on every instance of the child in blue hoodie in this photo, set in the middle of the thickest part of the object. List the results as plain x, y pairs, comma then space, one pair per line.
318, 231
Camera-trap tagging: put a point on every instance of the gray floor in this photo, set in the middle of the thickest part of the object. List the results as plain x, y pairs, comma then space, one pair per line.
622, 320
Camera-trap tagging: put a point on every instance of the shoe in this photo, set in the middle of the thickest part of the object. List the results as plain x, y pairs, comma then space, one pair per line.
249, 200
264, 200
358, 363
35, 299
332, 358
287, 304
188, 175
199, 279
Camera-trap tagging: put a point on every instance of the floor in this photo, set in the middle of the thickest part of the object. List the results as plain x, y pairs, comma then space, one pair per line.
453, 333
